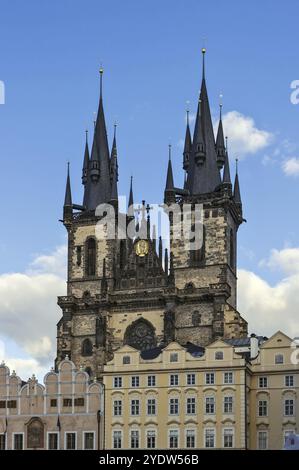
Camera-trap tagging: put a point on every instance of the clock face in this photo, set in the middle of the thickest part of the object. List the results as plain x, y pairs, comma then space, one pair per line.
141, 248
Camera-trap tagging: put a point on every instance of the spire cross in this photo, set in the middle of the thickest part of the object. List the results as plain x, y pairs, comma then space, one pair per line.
101, 79
143, 209
169, 151
220, 104
203, 51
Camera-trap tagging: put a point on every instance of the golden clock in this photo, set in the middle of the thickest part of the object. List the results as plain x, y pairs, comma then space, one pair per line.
141, 248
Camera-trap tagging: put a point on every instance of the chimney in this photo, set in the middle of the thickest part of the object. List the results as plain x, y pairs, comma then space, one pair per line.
254, 346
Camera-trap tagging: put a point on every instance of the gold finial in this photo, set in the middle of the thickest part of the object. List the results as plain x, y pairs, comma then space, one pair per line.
203, 50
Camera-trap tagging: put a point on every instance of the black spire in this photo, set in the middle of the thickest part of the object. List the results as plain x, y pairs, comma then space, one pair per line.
226, 171
169, 193
188, 145
68, 205
237, 193
114, 169
160, 249
85, 171
131, 200
204, 175
220, 146
99, 184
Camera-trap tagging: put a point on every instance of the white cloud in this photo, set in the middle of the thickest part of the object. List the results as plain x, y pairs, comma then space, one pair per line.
244, 137
286, 260
291, 166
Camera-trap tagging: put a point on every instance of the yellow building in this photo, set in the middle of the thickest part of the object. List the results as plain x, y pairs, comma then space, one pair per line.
187, 397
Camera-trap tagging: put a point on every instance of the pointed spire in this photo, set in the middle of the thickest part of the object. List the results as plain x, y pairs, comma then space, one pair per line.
169, 187
67, 207
237, 192
166, 261
85, 170
226, 171
220, 146
188, 144
114, 169
131, 200
160, 249
154, 237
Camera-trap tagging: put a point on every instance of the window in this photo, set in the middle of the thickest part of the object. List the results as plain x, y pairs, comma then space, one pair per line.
151, 381
190, 379
70, 440
135, 439
135, 407
219, 355
79, 401
174, 357
263, 408
190, 438
151, 406
228, 404
126, 360
228, 438
263, 382
2, 404
53, 403
231, 249
67, 402
89, 441
262, 441
135, 381
86, 347
117, 439
79, 255
12, 404
209, 437
117, 382
91, 257
18, 441
228, 377
210, 378
289, 380
173, 439
117, 408
286, 434
191, 406
53, 440
2, 441
174, 406
196, 318
174, 380
278, 359
289, 407
151, 439
210, 405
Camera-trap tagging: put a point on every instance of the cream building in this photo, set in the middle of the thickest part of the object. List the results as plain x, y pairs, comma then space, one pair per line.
187, 397
61, 414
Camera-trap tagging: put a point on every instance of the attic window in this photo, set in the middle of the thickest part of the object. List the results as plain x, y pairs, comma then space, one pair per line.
219, 355
174, 357
278, 359
126, 360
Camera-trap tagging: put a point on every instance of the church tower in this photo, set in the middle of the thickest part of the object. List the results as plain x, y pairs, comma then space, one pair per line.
129, 290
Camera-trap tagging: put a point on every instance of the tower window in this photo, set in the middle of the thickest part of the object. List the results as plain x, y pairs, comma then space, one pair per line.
197, 256
231, 249
196, 318
86, 347
91, 257
79, 255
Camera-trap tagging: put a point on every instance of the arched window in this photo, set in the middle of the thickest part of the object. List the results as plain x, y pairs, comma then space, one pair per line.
231, 249
197, 256
89, 371
86, 347
141, 335
90, 257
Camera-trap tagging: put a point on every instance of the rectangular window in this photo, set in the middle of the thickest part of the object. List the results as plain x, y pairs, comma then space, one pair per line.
190, 438
117, 408
89, 441
174, 380
151, 439
190, 379
53, 441
174, 357
70, 441
210, 378
210, 405
174, 406
228, 404
135, 407
79, 401
263, 382
151, 406
117, 438
262, 442
12, 404
286, 434
135, 381
228, 438
173, 439
135, 439
263, 408
67, 402
209, 438
278, 359
2, 441
53, 403
117, 382
289, 407
289, 380
151, 381
2, 404
18, 442
228, 377
191, 406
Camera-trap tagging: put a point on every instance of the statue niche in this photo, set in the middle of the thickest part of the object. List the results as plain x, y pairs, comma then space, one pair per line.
100, 331
35, 434
169, 326
141, 335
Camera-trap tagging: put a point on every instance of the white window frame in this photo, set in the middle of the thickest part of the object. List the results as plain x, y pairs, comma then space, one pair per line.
189, 374
13, 440
293, 405
176, 404
195, 437
121, 407
204, 437
65, 440
58, 439
5, 435
139, 406
139, 438
205, 404
147, 400
232, 376
155, 380
146, 437
267, 439
94, 440
135, 378
174, 357
210, 374
178, 436
177, 380
285, 380
258, 408
232, 404
112, 438
233, 437
114, 379
280, 355
263, 377
193, 404
286, 433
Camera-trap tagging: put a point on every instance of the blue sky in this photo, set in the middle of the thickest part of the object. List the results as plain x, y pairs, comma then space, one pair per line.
50, 53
